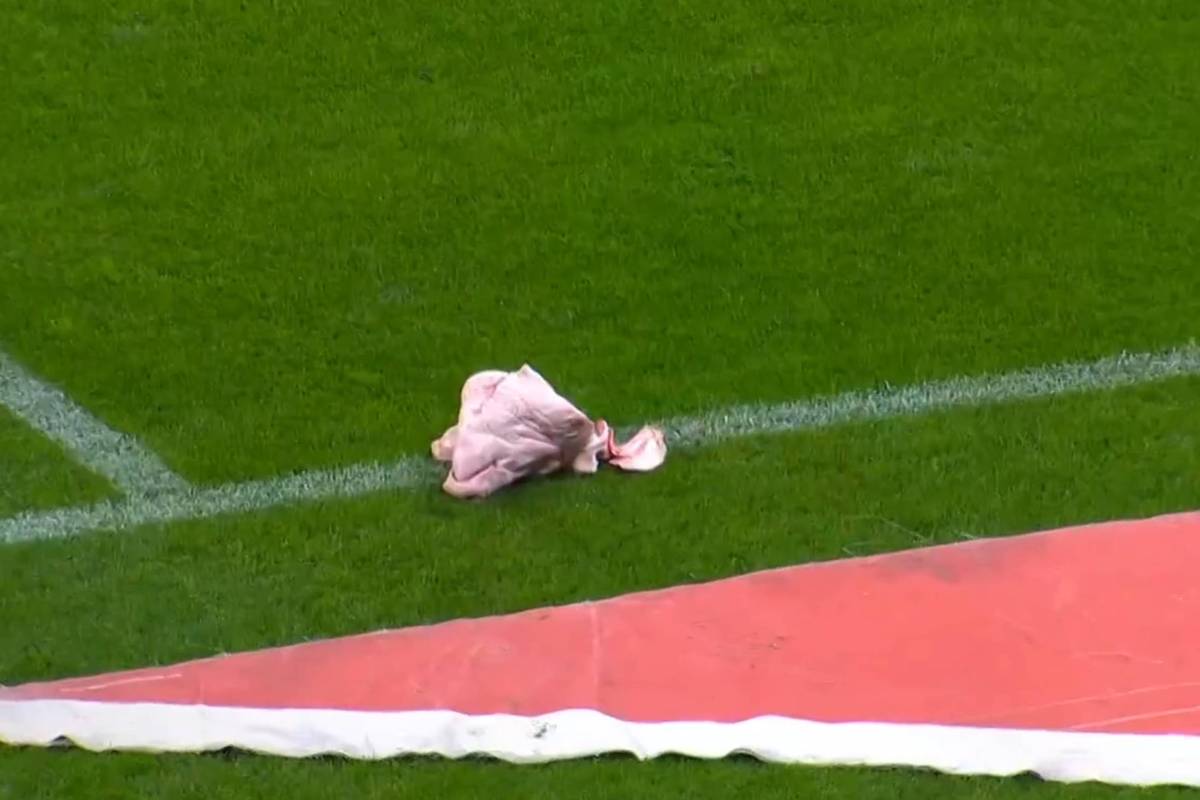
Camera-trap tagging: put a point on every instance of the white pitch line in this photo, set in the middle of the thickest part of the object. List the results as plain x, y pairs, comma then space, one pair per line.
121, 458
687, 432
1113, 372
229, 498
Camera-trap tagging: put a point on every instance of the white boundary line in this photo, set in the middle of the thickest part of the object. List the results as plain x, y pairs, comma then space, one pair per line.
685, 432
230, 498
1065, 756
1114, 372
121, 458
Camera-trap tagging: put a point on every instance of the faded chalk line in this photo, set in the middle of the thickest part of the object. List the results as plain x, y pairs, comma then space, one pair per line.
121, 458
687, 432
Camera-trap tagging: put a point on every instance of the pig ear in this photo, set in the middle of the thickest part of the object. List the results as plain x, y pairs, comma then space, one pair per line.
644, 452
528, 369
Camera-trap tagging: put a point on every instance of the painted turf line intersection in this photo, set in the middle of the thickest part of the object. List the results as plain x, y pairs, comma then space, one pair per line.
122, 459
153, 494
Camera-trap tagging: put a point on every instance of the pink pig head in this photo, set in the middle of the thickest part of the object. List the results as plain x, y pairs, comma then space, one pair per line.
514, 425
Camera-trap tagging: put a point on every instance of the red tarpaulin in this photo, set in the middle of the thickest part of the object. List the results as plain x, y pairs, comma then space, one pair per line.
1073, 653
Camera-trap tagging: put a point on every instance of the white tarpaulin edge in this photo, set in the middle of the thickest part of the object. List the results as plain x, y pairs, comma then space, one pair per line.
1137, 759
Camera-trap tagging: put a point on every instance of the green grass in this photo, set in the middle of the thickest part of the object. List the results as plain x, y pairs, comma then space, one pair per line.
278, 235
35, 474
82, 775
182, 591
294, 229
415, 557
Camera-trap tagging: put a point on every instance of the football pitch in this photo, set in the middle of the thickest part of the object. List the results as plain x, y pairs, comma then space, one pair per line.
895, 273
